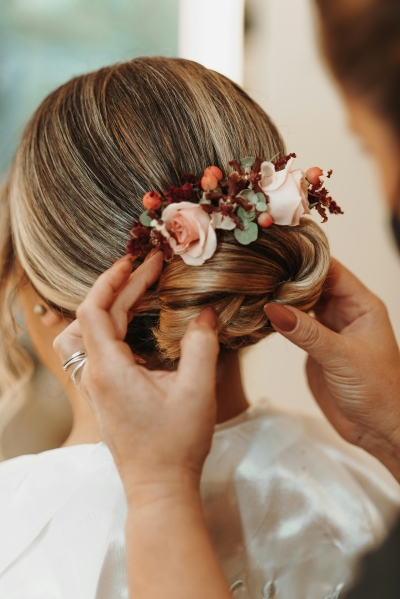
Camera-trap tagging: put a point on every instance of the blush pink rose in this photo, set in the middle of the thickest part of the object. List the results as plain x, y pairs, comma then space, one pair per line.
192, 234
287, 192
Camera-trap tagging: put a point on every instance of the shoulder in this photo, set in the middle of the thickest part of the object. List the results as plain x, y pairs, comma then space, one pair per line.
64, 463
281, 446
58, 493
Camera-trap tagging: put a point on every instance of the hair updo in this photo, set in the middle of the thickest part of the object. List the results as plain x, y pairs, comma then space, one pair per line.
91, 151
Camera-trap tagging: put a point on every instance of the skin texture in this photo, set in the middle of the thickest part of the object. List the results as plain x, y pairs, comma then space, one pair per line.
42, 331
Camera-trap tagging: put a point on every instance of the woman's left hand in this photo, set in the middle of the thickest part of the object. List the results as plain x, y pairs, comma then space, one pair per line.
157, 424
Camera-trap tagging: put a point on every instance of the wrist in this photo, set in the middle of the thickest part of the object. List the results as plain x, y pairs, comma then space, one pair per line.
144, 489
386, 449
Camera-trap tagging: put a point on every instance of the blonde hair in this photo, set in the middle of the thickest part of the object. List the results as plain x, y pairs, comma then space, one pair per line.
91, 151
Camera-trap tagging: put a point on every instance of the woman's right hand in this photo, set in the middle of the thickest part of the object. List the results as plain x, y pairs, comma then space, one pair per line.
353, 367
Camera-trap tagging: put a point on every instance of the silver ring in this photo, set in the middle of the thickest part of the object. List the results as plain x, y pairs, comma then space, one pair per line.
76, 357
80, 365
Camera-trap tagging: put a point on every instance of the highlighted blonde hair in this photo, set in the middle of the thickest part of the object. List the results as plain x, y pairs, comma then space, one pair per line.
90, 152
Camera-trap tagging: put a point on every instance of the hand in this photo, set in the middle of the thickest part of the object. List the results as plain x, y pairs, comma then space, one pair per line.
353, 367
157, 424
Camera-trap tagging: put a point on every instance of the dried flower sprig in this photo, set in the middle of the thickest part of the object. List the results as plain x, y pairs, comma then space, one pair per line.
320, 199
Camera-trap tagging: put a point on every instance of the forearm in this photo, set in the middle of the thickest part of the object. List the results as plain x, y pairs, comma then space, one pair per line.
169, 550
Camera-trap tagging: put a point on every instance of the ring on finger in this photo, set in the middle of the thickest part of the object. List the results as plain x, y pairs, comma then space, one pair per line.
75, 357
77, 368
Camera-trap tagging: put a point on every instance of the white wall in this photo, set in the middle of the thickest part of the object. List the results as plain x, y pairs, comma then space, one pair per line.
211, 33
284, 73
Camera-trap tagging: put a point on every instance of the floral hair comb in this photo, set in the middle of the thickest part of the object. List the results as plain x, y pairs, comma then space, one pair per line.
256, 195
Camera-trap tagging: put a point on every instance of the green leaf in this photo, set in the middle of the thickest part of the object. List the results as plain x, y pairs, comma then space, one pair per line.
261, 197
249, 216
249, 195
247, 162
261, 206
145, 219
247, 236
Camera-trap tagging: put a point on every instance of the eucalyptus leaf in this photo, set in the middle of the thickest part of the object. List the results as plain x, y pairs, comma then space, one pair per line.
249, 195
145, 219
247, 162
247, 236
261, 197
261, 206
249, 216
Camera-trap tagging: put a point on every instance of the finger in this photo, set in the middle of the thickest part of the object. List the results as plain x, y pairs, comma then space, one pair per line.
344, 298
199, 353
318, 386
97, 328
307, 333
132, 292
109, 283
69, 341
341, 282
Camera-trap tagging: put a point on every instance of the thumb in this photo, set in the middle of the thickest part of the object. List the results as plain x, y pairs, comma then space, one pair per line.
306, 332
199, 353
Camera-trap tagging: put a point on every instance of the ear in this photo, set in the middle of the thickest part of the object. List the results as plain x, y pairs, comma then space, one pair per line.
50, 318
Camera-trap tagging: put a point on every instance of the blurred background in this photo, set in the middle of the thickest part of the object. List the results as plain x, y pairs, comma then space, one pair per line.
268, 46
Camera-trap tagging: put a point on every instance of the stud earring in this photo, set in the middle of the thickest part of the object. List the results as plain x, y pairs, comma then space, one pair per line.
39, 310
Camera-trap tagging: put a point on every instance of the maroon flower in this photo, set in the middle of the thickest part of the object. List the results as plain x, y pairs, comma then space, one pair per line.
282, 162
140, 241
185, 193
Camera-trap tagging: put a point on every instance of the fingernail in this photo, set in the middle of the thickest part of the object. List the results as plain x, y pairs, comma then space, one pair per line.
208, 316
281, 317
151, 254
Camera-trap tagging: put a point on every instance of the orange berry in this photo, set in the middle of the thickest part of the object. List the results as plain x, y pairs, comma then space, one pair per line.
265, 220
209, 182
313, 174
215, 171
152, 200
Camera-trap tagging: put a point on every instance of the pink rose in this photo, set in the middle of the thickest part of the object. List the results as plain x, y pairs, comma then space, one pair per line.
287, 192
191, 230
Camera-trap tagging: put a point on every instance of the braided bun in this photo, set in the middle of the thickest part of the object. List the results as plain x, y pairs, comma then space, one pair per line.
286, 264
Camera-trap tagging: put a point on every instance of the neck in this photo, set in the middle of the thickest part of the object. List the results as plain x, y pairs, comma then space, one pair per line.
231, 401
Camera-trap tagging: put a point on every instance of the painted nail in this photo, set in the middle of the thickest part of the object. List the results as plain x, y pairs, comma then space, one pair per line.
208, 317
281, 317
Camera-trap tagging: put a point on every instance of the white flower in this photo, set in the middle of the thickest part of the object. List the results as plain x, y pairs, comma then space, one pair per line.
220, 221
287, 192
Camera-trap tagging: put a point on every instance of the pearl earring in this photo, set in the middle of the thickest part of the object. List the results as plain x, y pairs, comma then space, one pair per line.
39, 309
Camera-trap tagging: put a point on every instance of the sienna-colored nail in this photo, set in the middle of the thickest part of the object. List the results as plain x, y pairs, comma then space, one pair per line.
281, 317
208, 317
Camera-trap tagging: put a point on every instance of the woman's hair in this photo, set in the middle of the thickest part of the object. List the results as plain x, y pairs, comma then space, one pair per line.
361, 39
91, 151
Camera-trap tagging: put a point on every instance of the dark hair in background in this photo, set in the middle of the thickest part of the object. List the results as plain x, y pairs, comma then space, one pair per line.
362, 43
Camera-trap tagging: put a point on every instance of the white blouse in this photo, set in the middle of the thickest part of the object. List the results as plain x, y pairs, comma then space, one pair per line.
289, 507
